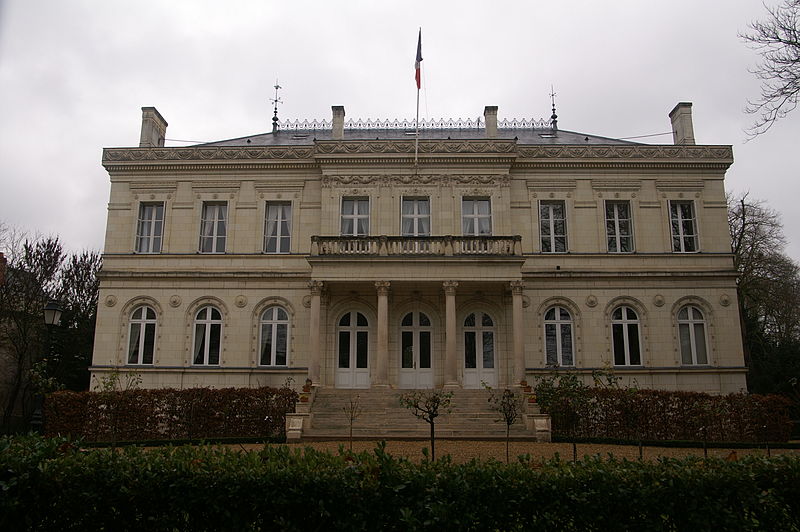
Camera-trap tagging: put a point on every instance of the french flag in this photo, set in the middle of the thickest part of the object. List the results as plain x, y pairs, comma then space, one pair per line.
418, 63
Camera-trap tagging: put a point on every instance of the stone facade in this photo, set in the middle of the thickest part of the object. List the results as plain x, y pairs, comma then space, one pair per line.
503, 251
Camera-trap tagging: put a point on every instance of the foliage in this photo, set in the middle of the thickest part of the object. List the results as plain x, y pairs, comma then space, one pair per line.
53, 485
509, 405
133, 414
777, 41
427, 405
580, 411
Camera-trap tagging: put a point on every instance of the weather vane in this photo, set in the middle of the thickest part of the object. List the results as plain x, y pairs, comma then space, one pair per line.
275, 101
554, 117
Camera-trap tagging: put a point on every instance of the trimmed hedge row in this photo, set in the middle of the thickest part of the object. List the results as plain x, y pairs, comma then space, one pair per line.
169, 414
634, 414
49, 485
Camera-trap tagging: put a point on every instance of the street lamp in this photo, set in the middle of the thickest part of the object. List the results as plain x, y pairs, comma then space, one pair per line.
52, 317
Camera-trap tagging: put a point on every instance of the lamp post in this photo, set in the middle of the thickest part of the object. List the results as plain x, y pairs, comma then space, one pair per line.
52, 318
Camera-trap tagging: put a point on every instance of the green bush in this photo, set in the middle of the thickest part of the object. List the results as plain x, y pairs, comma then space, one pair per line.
580, 411
169, 414
52, 485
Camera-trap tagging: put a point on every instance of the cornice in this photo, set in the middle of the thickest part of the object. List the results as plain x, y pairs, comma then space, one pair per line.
416, 179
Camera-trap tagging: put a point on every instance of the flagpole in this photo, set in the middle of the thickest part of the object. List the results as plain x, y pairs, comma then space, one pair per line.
416, 133
418, 78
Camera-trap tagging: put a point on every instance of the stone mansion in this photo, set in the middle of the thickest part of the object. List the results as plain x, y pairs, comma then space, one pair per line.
366, 254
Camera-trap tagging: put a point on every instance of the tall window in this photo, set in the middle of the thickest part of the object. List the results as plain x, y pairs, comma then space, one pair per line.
274, 337
619, 233
355, 216
625, 336
416, 217
150, 227
476, 217
553, 226
278, 227
353, 341
478, 341
692, 332
213, 227
415, 338
142, 336
207, 336
558, 337
684, 226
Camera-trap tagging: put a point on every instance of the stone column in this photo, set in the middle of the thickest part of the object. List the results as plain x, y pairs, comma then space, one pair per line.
314, 336
381, 376
518, 331
450, 354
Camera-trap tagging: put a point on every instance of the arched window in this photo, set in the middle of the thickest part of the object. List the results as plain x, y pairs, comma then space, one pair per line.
142, 336
207, 336
274, 337
415, 339
625, 337
478, 341
692, 333
558, 339
353, 341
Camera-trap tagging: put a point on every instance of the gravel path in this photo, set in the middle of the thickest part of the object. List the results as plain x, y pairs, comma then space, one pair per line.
464, 451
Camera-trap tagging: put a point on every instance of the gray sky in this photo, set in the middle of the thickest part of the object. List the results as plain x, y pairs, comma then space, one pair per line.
75, 73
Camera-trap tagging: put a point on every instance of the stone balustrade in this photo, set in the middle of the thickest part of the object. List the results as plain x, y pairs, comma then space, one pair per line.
393, 246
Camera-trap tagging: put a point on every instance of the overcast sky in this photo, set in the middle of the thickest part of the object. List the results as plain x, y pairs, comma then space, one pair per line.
74, 75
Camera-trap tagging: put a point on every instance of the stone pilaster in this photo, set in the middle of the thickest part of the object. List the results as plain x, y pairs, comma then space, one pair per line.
381, 375
314, 332
450, 354
518, 331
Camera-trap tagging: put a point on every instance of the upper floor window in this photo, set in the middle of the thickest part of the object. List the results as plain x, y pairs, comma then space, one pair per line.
278, 227
416, 217
558, 337
683, 223
207, 336
142, 336
476, 216
553, 226
625, 337
355, 216
274, 337
213, 227
619, 233
692, 332
150, 227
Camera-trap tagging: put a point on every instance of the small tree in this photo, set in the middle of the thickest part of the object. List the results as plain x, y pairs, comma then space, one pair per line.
510, 406
427, 405
352, 410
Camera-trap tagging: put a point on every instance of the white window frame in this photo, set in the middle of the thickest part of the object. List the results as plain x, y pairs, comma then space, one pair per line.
557, 323
143, 322
475, 215
415, 216
617, 235
357, 215
208, 322
551, 236
626, 323
279, 237
690, 321
215, 225
681, 237
273, 325
147, 241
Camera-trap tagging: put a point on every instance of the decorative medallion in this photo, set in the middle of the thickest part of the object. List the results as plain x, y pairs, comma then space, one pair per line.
658, 300
591, 301
175, 301
307, 301
724, 300
240, 301
111, 301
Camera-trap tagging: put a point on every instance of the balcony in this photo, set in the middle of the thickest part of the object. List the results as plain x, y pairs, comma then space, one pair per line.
423, 246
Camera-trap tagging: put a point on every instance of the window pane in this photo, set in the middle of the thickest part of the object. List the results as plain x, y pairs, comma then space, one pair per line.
563, 313
686, 210
566, 345
363, 226
486, 320
149, 343
408, 320
214, 343
344, 349
361, 321
425, 349
470, 320
348, 206
151, 314
467, 226
408, 206
619, 344
690, 244
700, 343
361, 349
617, 314
488, 349
561, 244
423, 320
484, 207
686, 343
133, 346
280, 344
469, 350
347, 226
266, 344
345, 321
485, 226
633, 344
550, 344
407, 352
199, 343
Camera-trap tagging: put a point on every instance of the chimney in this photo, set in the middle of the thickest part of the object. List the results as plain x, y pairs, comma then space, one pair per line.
490, 116
154, 129
338, 122
681, 118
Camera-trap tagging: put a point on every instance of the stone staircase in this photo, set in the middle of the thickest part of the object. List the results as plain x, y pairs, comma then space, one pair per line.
383, 417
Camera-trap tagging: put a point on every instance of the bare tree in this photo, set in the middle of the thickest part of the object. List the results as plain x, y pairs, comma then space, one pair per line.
509, 406
777, 41
352, 409
427, 406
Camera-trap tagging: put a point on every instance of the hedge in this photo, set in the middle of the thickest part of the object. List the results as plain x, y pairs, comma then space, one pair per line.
595, 412
51, 485
169, 414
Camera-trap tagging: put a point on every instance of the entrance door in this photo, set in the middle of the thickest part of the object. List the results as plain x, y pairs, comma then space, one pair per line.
416, 370
352, 361
479, 351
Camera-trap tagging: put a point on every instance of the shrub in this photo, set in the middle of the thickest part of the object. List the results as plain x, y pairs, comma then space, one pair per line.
166, 414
